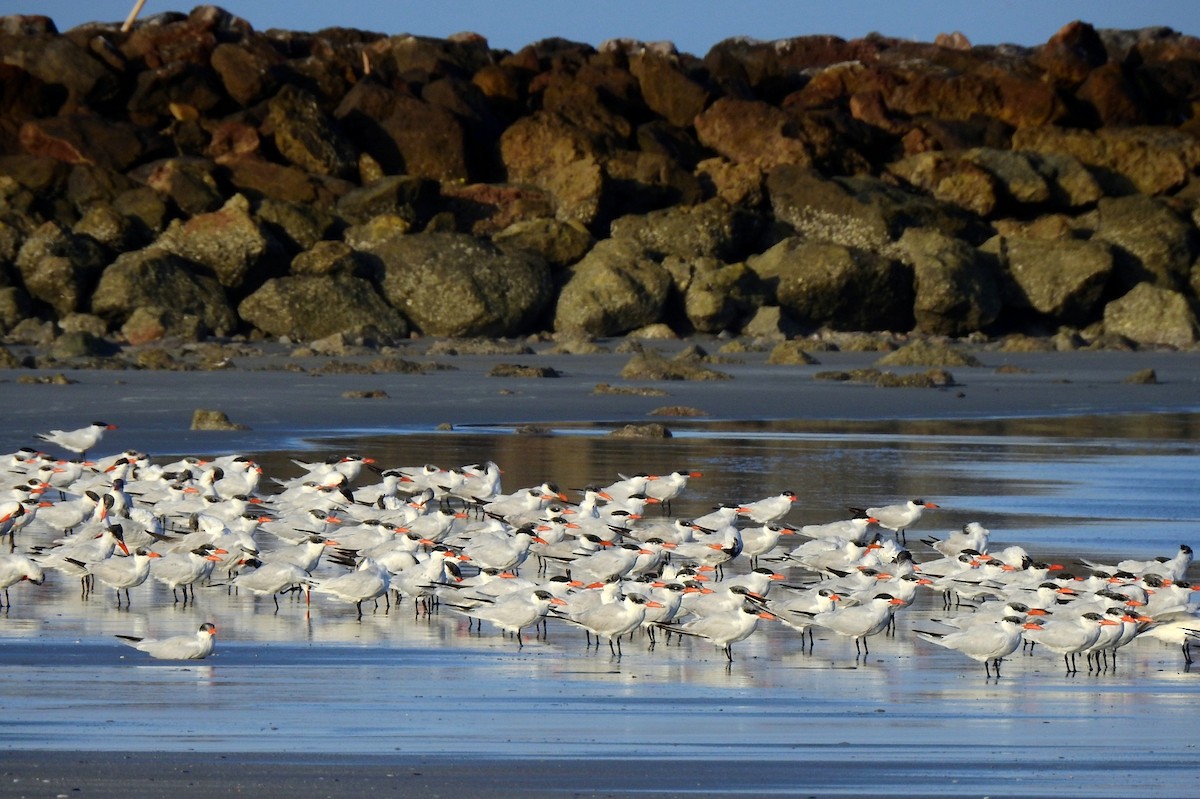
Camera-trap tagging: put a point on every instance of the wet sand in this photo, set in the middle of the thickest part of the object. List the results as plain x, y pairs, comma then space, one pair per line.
337, 707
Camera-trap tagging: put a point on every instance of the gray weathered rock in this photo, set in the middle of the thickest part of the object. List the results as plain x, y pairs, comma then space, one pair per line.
14, 306
719, 297
1152, 315
614, 289
709, 229
559, 243
59, 268
307, 308
860, 212
330, 258
451, 284
1156, 243
957, 286
411, 198
845, 288
1064, 279
158, 279
228, 242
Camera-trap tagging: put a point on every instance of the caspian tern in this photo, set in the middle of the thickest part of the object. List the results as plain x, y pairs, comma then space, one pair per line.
15, 568
898, 518
516, 611
860, 621
1069, 636
771, 509
726, 629
615, 619
80, 440
181, 647
988, 643
121, 574
369, 580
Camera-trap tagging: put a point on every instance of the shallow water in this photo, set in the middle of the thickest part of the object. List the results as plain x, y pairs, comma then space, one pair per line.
311, 678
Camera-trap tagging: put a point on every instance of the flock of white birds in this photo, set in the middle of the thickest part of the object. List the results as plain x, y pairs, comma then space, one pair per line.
614, 563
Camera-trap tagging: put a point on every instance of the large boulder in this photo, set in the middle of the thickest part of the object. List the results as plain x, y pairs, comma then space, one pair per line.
710, 229
306, 136
846, 288
248, 69
1155, 243
1063, 279
427, 141
229, 242
861, 212
719, 297
667, 89
58, 61
154, 278
550, 152
1145, 160
957, 286
1152, 315
83, 139
59, 268
752, 132
452, 284
309, 307
616, 288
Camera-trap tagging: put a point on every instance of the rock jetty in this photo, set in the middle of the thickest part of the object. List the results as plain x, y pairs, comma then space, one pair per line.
194, 177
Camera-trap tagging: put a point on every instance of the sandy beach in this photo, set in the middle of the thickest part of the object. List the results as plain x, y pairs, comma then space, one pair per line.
388, 715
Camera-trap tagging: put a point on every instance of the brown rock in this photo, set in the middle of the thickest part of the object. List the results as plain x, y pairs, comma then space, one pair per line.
411, 198
1113, 98
81, 139
246, 69
614, 289
752, 132
1072, 53
329, 258
653, 430
14, 306
59, 268
428, 141
1015, 100
548, 151
485, 209
667, 90
1144, 160
150, 324
56, 60
861, 212
206, 419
